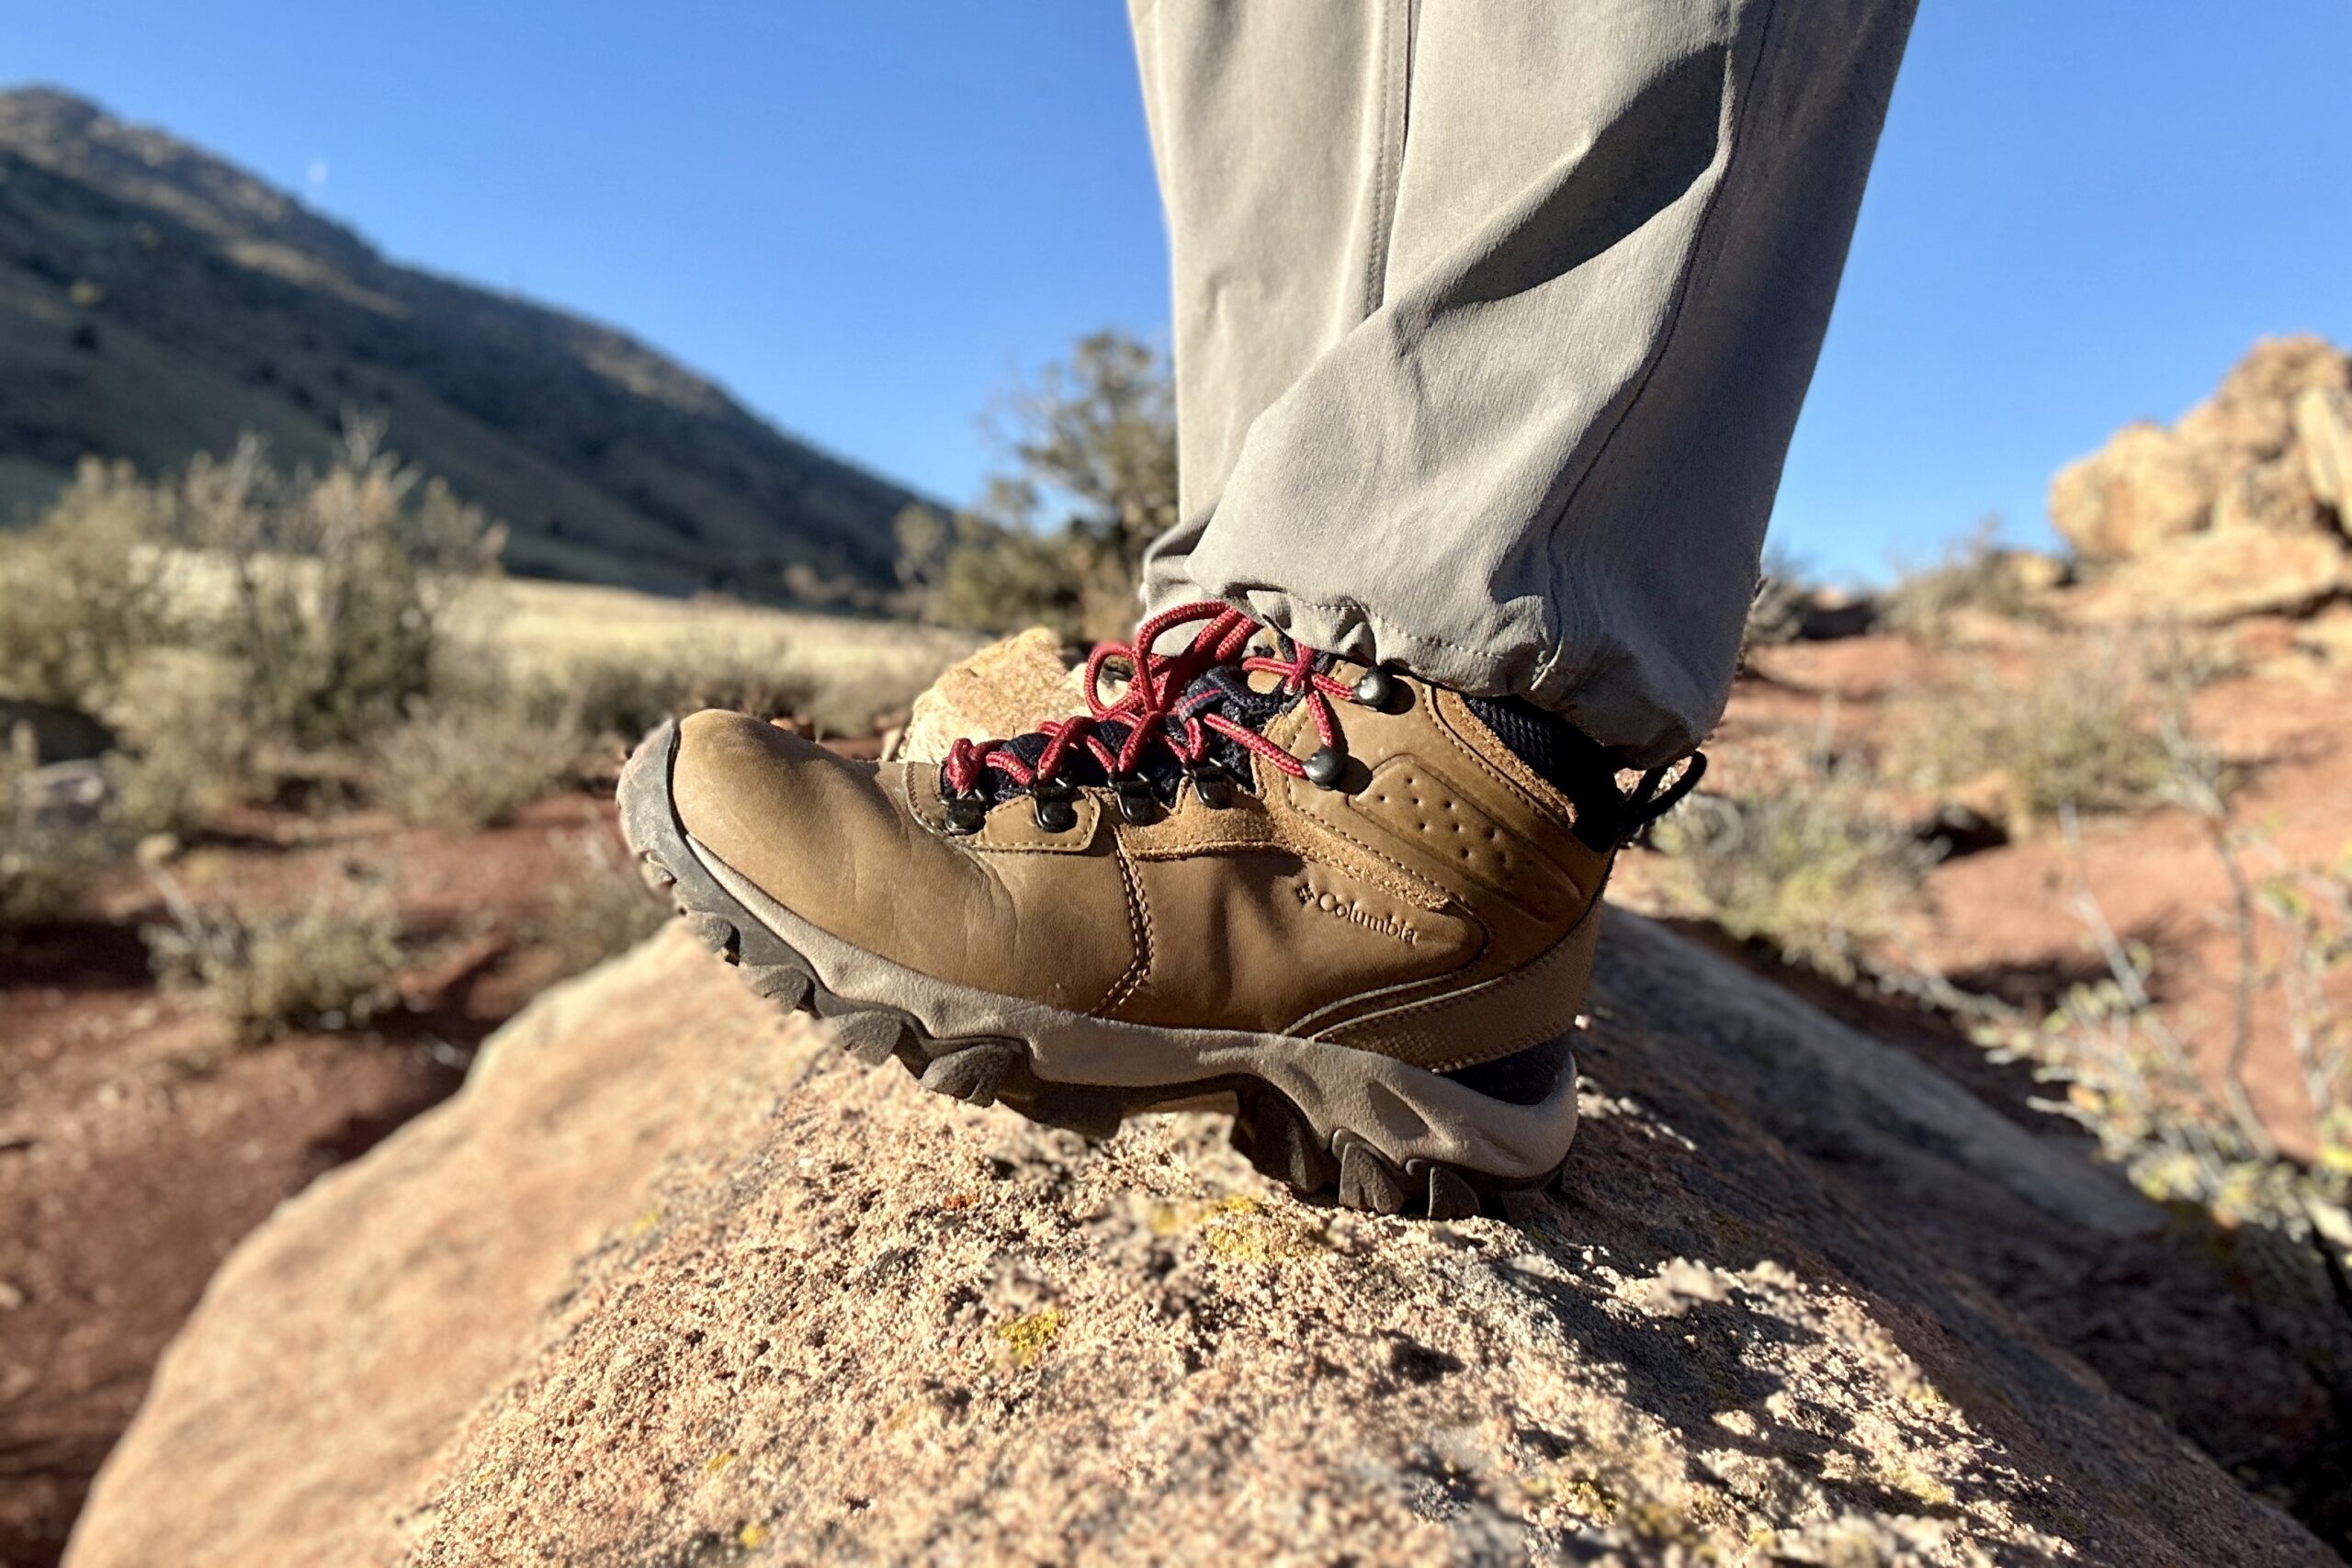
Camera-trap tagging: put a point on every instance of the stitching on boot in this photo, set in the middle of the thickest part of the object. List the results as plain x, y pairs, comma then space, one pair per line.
1140, 924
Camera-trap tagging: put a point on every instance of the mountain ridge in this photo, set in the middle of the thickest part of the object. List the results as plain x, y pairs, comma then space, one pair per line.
157, 300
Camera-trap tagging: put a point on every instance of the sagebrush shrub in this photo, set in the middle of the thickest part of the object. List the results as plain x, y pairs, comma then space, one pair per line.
2171, 1108
621, 697
263, 970
2085, 730
187, 748
82, 595
1775, 612
341, 585
467, 765
1977, 575
1812, 867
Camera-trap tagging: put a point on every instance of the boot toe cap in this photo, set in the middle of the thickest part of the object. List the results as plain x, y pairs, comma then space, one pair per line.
781, 810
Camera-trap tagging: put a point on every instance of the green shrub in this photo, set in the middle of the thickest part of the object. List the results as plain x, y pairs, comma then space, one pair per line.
471, 765
1776, 613
2085, 732
621, 698
83, 593
2172, 1110
341, 586
234, 611
263, 970
1094, 436
187, 748
1977, 575
996, 577
1811, 868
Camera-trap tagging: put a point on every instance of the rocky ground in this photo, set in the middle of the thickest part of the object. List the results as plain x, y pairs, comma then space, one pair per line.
672, 1281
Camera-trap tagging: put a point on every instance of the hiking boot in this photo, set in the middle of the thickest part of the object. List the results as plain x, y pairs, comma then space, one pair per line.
1357, 909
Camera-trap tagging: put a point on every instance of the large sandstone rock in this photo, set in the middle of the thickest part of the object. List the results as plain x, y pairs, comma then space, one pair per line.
2250, 416
2144, 487
2231, 461
673, 1281
2213, 578
2324, 430
2273, 496
1001, 690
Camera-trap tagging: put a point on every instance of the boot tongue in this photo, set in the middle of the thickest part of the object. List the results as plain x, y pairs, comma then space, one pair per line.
1220, 689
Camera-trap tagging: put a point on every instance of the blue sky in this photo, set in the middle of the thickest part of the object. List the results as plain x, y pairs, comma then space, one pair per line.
865, 217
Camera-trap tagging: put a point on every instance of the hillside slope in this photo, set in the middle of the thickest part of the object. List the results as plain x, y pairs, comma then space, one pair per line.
155, 302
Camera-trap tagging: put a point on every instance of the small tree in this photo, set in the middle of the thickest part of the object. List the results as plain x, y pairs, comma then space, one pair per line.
1098, 430
82, 595
1094, 439
341, 583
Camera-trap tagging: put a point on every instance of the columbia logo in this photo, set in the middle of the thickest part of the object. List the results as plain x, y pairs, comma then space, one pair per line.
1356, 914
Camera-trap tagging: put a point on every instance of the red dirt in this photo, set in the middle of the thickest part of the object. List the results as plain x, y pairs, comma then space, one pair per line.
2002, 920
134, 1152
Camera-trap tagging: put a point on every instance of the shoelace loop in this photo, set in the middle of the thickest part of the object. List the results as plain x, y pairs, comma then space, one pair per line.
1155, 707
1161, 708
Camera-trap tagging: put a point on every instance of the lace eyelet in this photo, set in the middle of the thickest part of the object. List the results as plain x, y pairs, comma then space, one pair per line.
1376, 689
1327, 767
1057, 808
967, 814
1136, 805
1211, 784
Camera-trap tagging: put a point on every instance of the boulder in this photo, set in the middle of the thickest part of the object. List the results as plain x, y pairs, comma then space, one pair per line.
2323, 430
673, 1280
2274, 494
2326, 638
2250, 416
2216, 577
2145, 486
2230, 461
51, 734
1001, 690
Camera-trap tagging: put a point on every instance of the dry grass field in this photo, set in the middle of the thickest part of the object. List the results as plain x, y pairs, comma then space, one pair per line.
856, 668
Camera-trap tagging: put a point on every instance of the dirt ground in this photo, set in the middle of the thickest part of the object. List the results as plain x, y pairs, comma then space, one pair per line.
2002, 917
135, 1151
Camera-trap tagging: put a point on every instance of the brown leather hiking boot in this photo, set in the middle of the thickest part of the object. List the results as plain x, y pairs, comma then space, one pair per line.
1359, 908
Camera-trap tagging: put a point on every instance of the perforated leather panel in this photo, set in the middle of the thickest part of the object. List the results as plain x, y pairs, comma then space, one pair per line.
1430, 816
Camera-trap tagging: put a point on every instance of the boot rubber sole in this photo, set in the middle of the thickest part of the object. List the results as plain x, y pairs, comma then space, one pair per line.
1380, 1134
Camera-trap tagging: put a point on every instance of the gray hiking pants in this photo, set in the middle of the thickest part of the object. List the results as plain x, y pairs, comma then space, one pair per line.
1492, 320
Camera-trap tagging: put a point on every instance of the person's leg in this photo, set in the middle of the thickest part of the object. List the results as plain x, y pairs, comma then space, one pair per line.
1492, 320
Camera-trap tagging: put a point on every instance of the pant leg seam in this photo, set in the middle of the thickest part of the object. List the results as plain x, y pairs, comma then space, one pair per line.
1396, 87
1550, 679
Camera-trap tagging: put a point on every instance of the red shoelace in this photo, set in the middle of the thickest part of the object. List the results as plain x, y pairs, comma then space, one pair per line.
1154, 707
